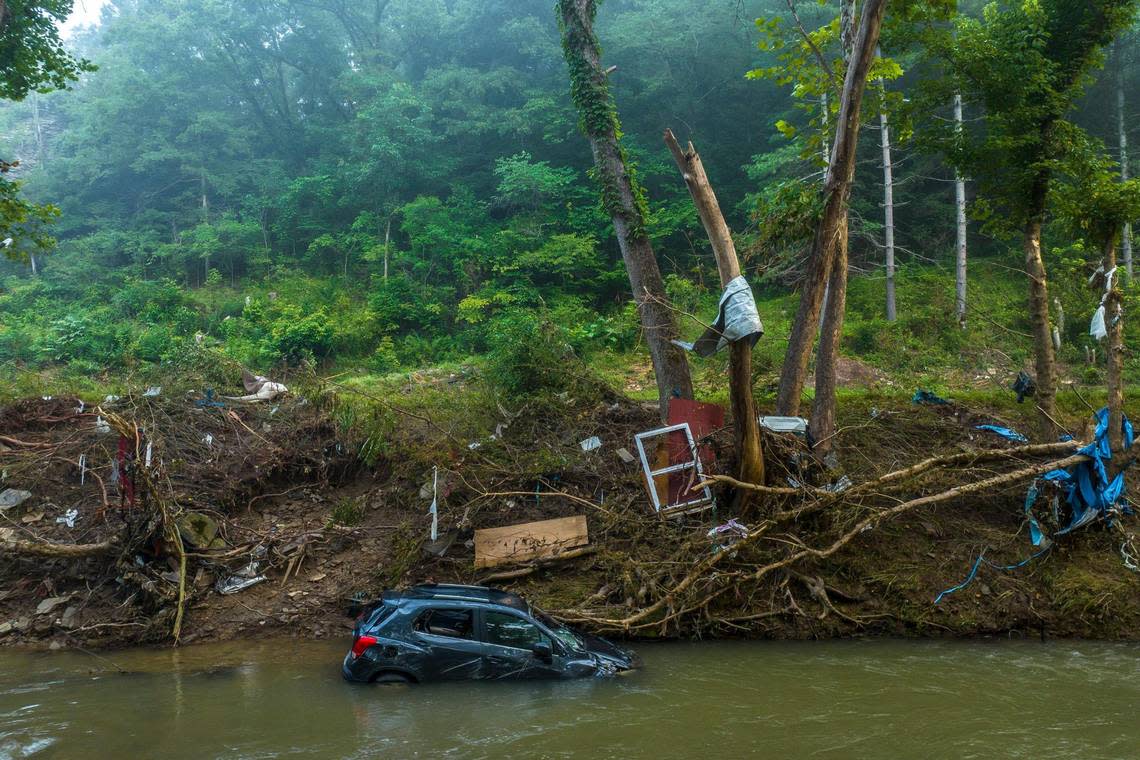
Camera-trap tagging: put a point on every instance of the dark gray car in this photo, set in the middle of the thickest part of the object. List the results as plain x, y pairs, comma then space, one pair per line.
448, 632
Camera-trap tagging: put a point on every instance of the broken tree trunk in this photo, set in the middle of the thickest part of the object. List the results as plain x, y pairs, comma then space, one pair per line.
622, 199
960, 216
747, 431
837, 189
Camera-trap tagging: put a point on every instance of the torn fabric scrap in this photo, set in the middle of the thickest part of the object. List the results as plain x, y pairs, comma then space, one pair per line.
737, 319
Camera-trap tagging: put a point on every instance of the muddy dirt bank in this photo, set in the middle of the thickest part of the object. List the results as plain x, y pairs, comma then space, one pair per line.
314, 510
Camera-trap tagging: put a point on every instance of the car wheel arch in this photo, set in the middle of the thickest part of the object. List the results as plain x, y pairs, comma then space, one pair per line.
393, 675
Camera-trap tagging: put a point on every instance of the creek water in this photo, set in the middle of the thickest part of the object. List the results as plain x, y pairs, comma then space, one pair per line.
881, 699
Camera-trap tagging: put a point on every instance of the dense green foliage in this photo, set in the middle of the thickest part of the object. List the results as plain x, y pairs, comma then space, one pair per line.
390, 183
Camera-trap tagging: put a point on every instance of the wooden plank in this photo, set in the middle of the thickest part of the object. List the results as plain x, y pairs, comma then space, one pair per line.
516, 543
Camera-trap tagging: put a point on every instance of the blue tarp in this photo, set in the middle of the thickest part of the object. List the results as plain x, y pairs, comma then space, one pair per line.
1090, 492
1004, 432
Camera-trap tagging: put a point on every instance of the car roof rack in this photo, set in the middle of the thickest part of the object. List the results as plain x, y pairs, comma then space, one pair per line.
466, 593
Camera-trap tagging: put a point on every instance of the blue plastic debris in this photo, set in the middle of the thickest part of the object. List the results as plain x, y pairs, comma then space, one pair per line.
926, 397
1004, 432
978, 563
1090, 493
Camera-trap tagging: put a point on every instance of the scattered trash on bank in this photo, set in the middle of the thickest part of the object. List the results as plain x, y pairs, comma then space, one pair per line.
727, 535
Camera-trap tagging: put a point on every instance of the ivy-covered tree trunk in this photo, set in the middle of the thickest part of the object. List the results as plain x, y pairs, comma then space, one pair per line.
622, 198
829, 236
1039, 313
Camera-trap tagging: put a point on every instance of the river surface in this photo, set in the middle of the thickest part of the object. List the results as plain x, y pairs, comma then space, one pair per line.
881, 699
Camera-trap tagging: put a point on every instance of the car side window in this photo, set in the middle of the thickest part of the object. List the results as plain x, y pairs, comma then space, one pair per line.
456, 624
510, 631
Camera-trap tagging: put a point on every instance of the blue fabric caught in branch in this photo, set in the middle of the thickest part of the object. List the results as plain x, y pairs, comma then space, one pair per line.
1090, 494
1004, 432
978, 563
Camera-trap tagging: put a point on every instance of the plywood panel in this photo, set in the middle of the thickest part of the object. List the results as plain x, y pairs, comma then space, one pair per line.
516, 543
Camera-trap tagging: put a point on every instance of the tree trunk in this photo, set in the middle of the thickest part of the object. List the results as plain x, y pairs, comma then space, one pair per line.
832, 229
960, 211
622, 200
888, 208
822, 424
1039, 315
745, 427
1122, 133
387, 241
1114, 353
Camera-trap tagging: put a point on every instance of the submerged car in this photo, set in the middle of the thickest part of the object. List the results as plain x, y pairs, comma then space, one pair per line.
441, 632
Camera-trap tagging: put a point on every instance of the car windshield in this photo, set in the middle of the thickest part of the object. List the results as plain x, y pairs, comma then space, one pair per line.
564, 634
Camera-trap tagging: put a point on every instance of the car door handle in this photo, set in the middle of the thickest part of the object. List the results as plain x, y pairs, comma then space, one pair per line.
500, 660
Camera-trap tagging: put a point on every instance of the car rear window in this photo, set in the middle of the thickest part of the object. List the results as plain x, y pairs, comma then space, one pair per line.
456, 624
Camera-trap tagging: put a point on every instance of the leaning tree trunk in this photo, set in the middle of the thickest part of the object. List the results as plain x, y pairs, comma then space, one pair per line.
1039, 315
745, 427
831, 232
622, 198
1122, 133
960, 212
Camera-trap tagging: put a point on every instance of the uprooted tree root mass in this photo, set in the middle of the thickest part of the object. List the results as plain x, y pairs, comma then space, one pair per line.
297, 506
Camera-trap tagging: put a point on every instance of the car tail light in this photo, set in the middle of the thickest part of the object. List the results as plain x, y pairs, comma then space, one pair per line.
362, 643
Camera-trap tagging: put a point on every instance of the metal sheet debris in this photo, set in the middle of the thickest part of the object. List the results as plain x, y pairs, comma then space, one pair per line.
779, 424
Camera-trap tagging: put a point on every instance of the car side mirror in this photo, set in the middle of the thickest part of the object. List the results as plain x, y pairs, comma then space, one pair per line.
542, 650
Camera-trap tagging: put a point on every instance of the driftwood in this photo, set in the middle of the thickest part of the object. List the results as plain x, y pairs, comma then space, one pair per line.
522, 572
61, 551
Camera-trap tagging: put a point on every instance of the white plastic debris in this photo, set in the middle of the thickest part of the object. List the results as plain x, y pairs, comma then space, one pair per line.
82, 469
784, 424
591, 444
69, 518
838, 486
474, 445
152, 391
433, 510
102, 426
13, 497
149, 452
208, 439
624, 455
110, 399
79, 409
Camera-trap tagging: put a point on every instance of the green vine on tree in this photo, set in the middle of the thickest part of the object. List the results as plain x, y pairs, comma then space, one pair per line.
597, 112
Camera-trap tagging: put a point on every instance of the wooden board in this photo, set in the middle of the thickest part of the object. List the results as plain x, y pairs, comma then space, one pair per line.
516, 543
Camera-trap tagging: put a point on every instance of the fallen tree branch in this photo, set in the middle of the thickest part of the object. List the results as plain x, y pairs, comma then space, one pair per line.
61, 551
708, 563
522, 572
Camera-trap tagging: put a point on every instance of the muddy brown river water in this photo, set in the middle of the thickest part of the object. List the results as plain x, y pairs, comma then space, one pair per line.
881, 699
